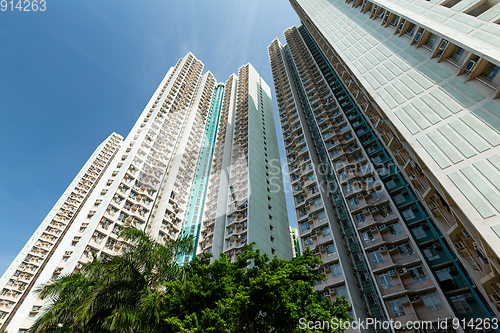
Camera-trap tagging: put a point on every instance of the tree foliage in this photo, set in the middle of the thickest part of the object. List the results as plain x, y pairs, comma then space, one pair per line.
119, 293
143, 290
254, 294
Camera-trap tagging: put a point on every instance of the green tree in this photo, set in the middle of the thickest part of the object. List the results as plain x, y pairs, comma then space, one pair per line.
120, 293
254, 294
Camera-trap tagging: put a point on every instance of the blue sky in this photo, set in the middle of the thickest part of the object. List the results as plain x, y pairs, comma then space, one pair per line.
82, 69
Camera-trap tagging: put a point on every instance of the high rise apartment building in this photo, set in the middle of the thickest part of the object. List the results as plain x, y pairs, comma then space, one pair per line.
391, 125
167, 177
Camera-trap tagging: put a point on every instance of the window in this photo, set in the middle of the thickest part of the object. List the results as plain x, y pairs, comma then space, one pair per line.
385, 280
308, 241
460, 304
318, 202
341, 292
431, 253
376, 257
335, 270
321, 216
419, 232
417, 273
326, 232
360, 218
353, 202
395, 229
312, 177
431, 302
348, 188
396, 307
491, 72
330, 250
367, 236
444, 274
390, 184
408, 214
405, 249
399, 198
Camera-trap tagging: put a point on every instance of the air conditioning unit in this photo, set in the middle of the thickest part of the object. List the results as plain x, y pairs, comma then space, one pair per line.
468, 296
390, 247
417, 38
416, 298
373, 229
437, 245
365, 211
332, 291
382, 249
321, 247
470, 66
443, 44
382, 227
325, 294
359, 195
402, 271
392, 272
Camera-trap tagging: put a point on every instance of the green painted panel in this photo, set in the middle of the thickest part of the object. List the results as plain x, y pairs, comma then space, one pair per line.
464, 88
417, 117
483, 187
435, 17
411, 84
468, 191
428, 74
490, 14
482, 129
486, 37
489, 173
438, 69
495, 160
395, 94
377, 54
407, 121
384, 50
415, 54
445, 147
393, 68
467, 19
459, 26
461, 5
487, 118
435, 153
365, 62
456, 141
376, 74
445, 99
359, 66
407, 93
493, 108
374, 61
436, 106
400, 63
409, 59
426, 111
469, 135
371, 80
387, 99
420, 79
385, 72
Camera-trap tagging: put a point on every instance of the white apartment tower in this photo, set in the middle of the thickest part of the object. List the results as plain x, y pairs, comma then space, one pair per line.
397, 102
157, 179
